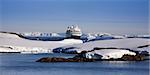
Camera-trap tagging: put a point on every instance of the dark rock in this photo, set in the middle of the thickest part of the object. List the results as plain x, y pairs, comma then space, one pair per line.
143, 46
132, 57
99, 48
56, 59
81, 58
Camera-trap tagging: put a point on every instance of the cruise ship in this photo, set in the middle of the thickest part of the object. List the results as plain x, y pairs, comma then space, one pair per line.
73, 32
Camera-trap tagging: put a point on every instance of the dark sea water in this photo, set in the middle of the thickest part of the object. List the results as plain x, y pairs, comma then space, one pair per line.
24, 64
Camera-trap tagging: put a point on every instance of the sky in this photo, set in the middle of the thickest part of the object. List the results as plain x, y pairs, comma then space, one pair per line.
92, 16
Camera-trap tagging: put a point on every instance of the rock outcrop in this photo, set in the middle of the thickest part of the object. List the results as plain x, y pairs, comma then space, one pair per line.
132, 58
56, 59
80, 59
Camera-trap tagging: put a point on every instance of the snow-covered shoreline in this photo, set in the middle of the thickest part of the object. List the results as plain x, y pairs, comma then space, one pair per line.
18, 44
13, 43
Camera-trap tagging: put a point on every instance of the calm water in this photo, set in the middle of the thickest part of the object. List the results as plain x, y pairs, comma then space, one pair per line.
24, 64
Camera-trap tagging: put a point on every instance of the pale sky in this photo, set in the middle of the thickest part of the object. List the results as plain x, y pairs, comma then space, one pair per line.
111, 16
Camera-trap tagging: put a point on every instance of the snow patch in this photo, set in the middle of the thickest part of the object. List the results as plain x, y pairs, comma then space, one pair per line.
113, 53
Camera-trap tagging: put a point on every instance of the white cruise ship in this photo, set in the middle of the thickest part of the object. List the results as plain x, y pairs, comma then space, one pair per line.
73, 32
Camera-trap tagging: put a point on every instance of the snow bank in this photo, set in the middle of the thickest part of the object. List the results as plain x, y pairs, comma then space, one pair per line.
12, 40
130, 43
10, 36
71, 41
113, 53
12, 49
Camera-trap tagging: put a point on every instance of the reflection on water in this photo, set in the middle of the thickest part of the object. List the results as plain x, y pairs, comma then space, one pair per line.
17, 64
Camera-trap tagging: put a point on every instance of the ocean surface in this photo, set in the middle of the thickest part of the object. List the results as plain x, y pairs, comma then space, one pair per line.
24, 64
